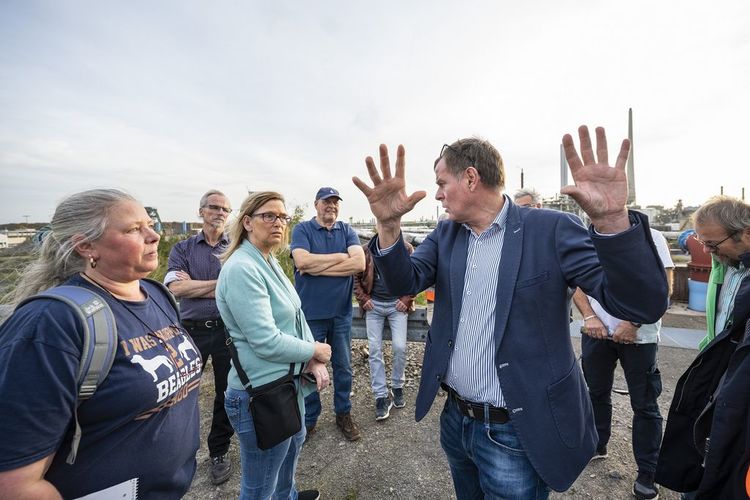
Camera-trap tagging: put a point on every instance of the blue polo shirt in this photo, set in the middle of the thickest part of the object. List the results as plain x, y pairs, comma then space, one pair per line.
324, 297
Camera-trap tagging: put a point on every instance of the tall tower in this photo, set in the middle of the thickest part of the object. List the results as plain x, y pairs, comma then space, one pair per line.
563, 168
631, 167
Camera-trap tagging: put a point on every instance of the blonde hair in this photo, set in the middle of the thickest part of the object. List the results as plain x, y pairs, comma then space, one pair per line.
238, 233
79, 218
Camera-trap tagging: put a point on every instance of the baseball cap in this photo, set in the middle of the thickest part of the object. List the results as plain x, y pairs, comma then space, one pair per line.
326, 192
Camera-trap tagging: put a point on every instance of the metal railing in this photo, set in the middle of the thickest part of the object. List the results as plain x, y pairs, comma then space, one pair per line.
416, 328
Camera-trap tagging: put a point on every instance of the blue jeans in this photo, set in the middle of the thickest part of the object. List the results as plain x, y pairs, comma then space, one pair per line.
375, 320
337, 332
486, 459
599, 360
265, 473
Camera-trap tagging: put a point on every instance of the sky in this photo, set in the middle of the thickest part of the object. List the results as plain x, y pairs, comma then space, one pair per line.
167, 99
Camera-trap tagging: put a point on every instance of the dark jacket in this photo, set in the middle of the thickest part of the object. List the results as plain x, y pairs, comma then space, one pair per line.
727, 452
364, 280
544, 253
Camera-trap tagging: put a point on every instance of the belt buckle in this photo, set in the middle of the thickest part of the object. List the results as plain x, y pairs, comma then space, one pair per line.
470, 410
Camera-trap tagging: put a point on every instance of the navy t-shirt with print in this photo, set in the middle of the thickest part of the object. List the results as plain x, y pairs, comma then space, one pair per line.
141, 425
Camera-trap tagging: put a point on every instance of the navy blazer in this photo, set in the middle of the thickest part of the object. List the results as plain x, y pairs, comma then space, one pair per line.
545, 253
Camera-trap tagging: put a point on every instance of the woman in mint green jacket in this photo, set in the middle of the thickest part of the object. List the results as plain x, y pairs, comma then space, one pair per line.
262, 313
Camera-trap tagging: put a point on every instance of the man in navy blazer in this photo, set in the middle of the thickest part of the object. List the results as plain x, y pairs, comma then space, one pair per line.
517, 420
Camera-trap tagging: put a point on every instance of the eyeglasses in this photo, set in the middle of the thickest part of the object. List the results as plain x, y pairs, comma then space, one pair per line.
270, 217
713, 246
456, 152
219, 207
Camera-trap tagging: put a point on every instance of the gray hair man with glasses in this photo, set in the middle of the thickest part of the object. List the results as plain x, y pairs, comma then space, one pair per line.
527, 197
193, 270
704, 450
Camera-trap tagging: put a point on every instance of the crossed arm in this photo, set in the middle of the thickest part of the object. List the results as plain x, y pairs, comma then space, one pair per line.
188, 288
625, 332
330, 264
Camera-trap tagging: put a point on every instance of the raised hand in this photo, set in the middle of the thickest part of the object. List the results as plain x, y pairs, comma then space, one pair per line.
600, 190
387, 197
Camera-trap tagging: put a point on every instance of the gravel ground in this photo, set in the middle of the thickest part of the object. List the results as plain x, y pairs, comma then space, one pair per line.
399, 458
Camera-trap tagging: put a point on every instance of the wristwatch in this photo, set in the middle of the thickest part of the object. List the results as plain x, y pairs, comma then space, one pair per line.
637, 325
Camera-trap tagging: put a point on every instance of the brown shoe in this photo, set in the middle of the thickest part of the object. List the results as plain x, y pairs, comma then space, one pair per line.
348, 427
310, 431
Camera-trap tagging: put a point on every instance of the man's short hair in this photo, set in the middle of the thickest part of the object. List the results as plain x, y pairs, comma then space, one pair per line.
731, 213
535, 196
478, 153
211, 192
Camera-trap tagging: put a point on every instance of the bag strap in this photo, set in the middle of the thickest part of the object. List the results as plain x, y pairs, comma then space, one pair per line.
240, 371
168, 293
99, 336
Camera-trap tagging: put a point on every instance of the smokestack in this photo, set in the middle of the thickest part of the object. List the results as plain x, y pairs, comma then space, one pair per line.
521, 178
631, 166
563, 168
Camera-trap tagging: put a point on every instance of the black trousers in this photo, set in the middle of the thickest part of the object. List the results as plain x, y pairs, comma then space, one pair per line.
211, 342
644, 385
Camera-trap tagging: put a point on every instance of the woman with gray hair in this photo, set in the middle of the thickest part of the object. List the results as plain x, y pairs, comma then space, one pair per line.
139, 430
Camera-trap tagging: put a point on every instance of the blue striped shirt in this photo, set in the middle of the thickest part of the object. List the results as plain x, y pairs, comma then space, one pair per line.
733, 276
471, 372
199, 259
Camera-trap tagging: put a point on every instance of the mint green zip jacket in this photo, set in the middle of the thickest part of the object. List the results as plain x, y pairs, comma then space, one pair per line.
263, 314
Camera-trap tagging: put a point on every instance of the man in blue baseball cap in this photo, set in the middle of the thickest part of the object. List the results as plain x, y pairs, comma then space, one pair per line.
326, 254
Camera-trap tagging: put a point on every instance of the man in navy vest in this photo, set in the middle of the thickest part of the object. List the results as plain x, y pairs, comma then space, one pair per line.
517, 419
327, 254
193, 270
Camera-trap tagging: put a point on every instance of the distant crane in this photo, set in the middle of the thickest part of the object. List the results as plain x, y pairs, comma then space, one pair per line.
154, 214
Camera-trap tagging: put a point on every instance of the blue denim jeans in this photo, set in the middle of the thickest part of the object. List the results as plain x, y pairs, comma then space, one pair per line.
265, 473
486, 459
375, 320
337, 332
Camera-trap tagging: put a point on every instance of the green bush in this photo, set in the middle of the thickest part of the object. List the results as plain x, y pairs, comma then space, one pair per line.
285, 255
165, 246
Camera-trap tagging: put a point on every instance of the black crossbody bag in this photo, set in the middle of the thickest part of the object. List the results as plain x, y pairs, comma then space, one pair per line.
273, 405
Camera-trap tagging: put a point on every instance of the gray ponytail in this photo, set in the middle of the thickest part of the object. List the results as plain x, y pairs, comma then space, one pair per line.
84, 215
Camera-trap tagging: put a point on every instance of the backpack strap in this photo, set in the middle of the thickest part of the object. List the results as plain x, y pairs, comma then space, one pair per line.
99, 336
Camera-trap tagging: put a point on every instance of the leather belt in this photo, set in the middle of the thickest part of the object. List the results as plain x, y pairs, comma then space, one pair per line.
207, 324
476, 410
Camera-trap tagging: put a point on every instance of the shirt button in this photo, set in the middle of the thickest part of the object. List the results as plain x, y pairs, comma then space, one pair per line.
468, 293
463, 320
473, 266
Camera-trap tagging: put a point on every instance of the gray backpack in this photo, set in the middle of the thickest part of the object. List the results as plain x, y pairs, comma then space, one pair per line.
99, 341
